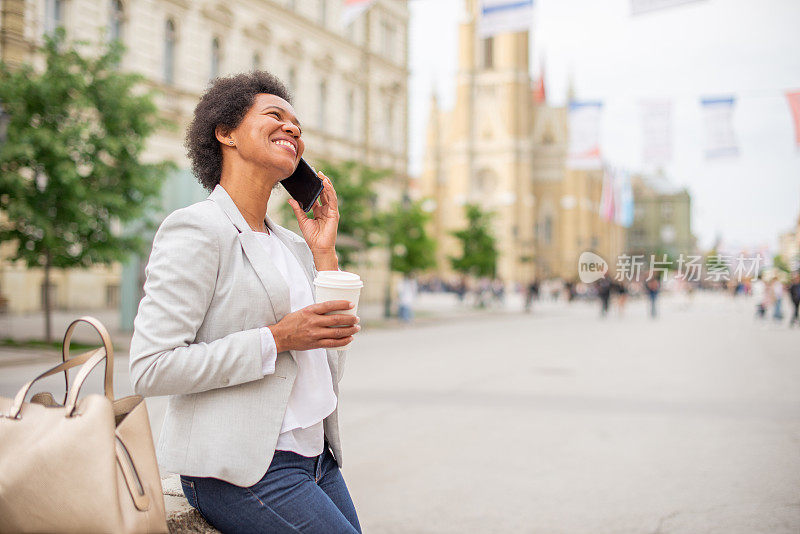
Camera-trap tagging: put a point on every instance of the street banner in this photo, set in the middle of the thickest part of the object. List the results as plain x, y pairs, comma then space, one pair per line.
656, 132
624, 204
720, 139
608, 209
794, 104
352, 9
504, 16
645, 6
584, 135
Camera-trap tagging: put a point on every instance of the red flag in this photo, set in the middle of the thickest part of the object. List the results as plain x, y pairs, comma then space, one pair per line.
794, 104
539, 95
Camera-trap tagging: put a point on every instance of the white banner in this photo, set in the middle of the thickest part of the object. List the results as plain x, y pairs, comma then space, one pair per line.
656, 132
720, 139
584, 135
645, 6
504, 16
352, 9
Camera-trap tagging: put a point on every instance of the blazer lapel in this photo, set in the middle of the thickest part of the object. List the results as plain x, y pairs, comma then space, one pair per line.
271, 278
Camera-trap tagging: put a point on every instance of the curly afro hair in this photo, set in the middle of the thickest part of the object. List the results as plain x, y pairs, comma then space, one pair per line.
225, 104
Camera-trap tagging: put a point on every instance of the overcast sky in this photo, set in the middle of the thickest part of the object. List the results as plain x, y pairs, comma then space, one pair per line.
746, 48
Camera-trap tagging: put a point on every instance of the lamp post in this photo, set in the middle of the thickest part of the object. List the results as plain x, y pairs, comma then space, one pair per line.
5, 118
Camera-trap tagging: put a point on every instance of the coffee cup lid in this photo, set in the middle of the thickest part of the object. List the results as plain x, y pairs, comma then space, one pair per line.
341, 279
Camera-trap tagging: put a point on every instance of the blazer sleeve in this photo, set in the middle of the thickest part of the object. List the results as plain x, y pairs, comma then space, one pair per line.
180, 283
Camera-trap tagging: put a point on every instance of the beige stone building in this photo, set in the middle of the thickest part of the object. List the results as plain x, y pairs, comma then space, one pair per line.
662, 222
350, 85
501, 149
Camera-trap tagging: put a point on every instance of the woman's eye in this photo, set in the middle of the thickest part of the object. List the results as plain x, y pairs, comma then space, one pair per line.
275, 114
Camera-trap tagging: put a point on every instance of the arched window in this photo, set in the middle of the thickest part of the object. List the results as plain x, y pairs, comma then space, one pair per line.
548, 229
488, 53
484, 184
389, 123
115, 26
349, 119
216, 55
170, 41
256, 61
53, 15
291, 79
323, 98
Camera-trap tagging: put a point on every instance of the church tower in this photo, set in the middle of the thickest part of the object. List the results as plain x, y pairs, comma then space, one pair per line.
481, 153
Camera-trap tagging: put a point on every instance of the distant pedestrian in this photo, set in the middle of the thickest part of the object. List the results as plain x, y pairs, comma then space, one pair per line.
653, 287
604, 286
794, 295
461, 289
531, 294
622, 296
498, 290
777, 299
406, 294
759, 292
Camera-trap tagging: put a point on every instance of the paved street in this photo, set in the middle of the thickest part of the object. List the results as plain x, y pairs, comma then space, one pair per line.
560, 422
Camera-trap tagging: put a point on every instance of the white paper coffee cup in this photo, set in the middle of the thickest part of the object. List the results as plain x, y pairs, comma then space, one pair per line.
338, 285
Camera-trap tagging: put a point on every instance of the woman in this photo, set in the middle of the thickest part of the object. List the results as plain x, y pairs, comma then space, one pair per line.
228, 329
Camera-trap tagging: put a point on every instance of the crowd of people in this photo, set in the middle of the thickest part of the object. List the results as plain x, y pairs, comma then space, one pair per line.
770, 292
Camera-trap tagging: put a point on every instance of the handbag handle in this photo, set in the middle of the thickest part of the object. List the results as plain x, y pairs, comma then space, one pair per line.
93, 356
90, 359
98, 326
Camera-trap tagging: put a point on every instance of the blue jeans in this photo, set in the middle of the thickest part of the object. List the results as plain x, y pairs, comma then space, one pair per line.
297, 494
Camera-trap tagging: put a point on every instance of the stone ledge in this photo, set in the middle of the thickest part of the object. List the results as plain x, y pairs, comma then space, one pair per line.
181, 517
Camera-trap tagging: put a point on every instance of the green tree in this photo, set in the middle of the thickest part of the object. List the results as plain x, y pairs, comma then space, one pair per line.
478, 245
779, 263
70, 170
359, 224
412, 249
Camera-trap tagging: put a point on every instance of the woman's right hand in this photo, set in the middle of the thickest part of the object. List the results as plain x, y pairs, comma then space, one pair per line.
309, 328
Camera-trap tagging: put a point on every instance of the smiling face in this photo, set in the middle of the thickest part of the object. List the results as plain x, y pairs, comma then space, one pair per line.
268, 137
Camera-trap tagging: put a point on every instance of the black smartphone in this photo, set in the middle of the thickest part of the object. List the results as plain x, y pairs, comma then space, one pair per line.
303, 185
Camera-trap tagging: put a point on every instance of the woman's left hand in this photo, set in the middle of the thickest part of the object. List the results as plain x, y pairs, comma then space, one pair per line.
320, 232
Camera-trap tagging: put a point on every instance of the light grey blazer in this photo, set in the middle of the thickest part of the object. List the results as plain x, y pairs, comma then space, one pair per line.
210, 286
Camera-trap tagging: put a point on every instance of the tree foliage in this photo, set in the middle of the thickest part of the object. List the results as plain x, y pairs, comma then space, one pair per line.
359, 222
412, 249
479, 247
70, 169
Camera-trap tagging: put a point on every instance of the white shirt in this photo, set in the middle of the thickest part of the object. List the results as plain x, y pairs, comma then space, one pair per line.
312, 398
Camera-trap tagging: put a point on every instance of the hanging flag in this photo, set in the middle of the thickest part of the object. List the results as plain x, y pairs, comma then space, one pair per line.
645, 6
504, 16
720, 139
656, 132
352, 9
539, 96
608, 208
794, 104
625, 212
584, 135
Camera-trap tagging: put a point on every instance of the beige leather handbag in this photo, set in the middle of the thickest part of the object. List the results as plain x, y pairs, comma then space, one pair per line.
84, 466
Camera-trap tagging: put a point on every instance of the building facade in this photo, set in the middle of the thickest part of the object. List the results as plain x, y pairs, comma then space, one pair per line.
349, 82
662, 222
501, 149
